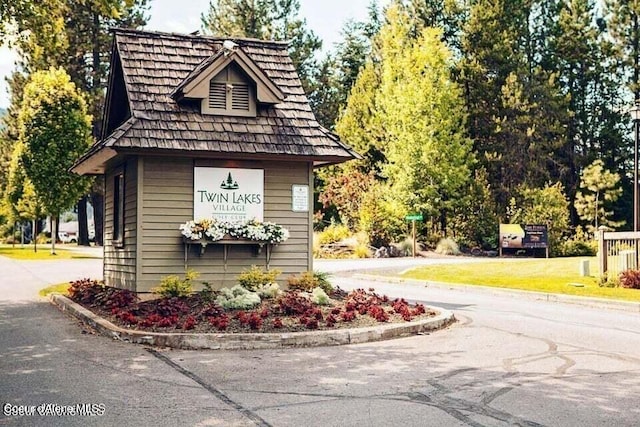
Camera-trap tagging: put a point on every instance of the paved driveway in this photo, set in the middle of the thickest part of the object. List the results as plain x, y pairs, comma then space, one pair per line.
507, 362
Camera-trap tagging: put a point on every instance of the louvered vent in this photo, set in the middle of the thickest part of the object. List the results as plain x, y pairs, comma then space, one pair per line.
240, 97
217, 95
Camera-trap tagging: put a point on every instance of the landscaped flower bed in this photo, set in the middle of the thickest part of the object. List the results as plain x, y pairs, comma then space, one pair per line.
288, 311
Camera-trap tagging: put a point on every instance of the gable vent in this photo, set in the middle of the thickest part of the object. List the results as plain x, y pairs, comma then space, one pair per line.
217, 95
240, 97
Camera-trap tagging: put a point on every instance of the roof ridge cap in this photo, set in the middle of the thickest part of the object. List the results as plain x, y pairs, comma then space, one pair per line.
181, 36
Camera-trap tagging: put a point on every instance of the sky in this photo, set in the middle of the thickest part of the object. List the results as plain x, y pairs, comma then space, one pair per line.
324, 17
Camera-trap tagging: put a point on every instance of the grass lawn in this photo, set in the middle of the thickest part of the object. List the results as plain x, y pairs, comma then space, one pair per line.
542, 275
44, 253
60, 288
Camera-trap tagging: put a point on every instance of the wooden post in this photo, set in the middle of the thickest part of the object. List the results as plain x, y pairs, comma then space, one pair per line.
602, 252
414, 238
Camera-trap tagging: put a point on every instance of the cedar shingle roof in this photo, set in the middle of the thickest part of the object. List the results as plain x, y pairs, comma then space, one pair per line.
154, 64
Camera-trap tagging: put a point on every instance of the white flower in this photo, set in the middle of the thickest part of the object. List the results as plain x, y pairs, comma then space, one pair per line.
215, 230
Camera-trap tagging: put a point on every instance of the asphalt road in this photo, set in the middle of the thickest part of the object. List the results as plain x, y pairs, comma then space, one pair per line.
506, 362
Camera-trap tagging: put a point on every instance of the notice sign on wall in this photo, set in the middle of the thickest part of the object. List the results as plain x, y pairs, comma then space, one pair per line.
526, 236
228, 194
300, 198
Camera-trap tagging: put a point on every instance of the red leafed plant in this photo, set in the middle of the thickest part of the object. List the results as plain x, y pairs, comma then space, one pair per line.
150, 320
378, 313
630, 279
189, 323
242, 317
255, 321
348, 316
312, 323
264, 313
293, 303
127, 317
220, 322
174, 306
419, 309
330, 321
168, 321
277, 323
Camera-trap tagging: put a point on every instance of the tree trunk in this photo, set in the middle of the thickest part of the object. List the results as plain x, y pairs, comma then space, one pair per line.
83, 226
34, 235
97, 201
54, 234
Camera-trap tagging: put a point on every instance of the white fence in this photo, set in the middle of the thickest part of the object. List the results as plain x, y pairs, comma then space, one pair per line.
617, 251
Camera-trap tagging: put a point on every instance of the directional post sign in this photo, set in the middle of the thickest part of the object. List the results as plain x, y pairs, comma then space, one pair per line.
414, 217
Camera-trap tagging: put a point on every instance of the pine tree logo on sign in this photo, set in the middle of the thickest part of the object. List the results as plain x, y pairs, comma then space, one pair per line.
228, 194
229, 184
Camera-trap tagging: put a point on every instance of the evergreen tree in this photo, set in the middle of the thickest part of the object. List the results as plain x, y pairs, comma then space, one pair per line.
268, 20
598, 190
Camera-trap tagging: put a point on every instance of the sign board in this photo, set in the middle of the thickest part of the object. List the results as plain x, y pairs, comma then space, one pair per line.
414, 217
526, 236
228, 194
300, 198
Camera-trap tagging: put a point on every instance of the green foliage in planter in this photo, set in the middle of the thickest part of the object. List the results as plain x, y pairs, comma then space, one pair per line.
237, 298
254, 277
207, 293
320, 297
174, 286
309, 280
269, 290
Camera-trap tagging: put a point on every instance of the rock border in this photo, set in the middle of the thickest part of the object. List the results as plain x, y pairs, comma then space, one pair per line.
257, 341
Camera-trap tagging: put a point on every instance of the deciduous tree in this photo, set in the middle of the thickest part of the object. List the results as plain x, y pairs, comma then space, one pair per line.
55, 130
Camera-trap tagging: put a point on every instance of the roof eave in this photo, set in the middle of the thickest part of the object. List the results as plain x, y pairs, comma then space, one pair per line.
94, 163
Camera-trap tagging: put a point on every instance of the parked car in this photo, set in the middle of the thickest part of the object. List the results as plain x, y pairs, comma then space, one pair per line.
66, 237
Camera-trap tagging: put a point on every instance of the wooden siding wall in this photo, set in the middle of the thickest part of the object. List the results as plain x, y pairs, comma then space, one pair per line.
120, 263
167, 202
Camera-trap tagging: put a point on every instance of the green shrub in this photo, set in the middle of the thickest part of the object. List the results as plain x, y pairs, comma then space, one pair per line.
361, 250
308, 280
207, 293
174, 286
237, 298
406, 246
447, 247
607, 281
254, 277
380, 218
322, 281
332, 234
578, 248
269, 290
320, 297
43, 238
